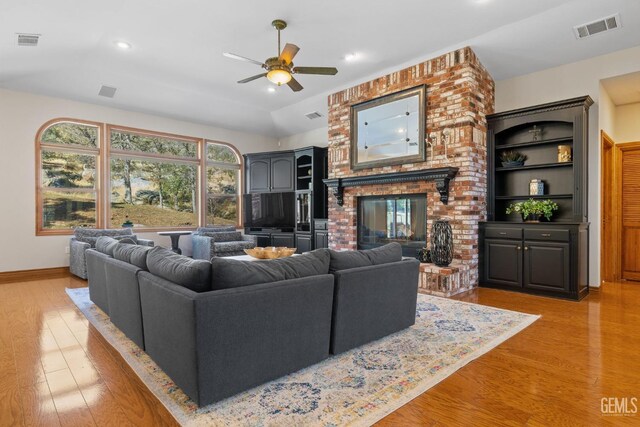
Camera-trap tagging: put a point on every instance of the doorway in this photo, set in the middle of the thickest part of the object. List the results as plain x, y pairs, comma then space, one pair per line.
620, 219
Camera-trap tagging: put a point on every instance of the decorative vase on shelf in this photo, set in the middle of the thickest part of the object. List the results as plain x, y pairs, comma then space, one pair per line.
424, 255
441, 243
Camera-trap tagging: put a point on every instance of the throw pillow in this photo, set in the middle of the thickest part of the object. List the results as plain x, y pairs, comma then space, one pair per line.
132, 239
231, 273
90, 240
194, 274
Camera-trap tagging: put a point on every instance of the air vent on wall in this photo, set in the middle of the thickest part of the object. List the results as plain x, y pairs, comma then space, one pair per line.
107, 91
28, 39
313, 115
599, 26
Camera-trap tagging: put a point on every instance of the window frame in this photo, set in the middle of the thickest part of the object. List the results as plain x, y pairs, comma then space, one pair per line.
104, 154
41, 146
136, 155
206, 163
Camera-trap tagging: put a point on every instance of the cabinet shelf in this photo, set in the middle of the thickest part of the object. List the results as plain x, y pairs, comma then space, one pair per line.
544, 196
534, 143
306, 165
305, 177
528, 167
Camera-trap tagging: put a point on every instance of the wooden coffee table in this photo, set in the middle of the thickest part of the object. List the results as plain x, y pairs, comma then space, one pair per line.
175, 239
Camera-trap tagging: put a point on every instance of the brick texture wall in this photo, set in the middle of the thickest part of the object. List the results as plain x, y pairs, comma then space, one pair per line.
460, 93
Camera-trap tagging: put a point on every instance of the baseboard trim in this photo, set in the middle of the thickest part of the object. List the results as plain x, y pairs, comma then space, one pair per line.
30, 275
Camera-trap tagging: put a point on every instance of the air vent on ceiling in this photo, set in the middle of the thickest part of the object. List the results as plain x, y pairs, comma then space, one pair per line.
313, 115
599, 26
107, 91
28, 39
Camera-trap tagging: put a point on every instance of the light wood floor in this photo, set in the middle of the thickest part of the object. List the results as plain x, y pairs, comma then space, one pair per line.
56, 369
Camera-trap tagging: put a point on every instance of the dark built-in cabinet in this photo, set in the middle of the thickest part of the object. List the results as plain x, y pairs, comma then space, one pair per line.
321, 233
270, 172
301, 172
551, 257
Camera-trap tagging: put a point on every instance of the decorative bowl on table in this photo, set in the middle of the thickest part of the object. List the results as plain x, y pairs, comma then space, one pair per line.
270, 252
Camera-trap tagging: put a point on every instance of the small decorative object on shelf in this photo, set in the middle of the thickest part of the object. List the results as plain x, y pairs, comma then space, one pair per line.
532, 210
564, 153
536, 133
536, 187
424, 255
127, 223
441, 243
511, 159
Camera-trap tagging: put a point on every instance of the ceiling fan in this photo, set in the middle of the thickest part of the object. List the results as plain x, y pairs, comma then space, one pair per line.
280, 68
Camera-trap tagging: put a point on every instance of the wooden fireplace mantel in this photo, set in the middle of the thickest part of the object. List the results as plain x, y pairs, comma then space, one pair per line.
441, 176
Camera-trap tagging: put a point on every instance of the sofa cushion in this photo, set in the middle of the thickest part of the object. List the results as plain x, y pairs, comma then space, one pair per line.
344, 260
132, 254
106, 245
194, 274
90, 240
132, 239
215, 229
239, 246
223, 236
231, 273
97, 232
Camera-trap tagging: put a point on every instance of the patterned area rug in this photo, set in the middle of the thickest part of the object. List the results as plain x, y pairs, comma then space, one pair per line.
358, 387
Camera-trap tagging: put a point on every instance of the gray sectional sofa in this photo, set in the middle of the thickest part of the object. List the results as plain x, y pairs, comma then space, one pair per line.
223, 326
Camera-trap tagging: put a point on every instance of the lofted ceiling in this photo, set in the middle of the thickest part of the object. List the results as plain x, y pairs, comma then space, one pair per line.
175, 67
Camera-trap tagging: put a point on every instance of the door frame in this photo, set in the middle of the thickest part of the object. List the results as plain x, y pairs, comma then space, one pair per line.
618, 153
608, 264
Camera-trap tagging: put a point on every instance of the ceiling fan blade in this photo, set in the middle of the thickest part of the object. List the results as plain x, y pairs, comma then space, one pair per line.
327, 71
252, 78
289, 51
294, 85
242, 58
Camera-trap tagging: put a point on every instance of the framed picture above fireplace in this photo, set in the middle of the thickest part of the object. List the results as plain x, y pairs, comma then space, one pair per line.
389, 130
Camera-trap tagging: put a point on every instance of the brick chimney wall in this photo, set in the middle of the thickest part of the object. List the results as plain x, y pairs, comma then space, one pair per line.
460, 94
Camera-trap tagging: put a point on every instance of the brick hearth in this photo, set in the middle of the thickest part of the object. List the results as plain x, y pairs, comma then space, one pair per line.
460, 93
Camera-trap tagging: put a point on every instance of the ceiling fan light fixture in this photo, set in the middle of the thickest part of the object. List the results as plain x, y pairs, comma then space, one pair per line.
279, 76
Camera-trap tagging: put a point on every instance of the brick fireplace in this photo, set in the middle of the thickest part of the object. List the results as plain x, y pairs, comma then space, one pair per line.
460, 93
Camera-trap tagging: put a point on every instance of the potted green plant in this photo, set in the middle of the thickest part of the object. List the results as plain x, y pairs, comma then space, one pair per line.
512, 158
532, 210
127, 223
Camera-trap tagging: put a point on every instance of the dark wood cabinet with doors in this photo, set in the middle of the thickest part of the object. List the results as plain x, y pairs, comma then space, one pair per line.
270, 172
550, 257
311, 194
321, 233
539, 258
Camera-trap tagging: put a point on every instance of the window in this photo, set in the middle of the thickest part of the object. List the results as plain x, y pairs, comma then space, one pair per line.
154, 180
223, 185
68, 157
97, 175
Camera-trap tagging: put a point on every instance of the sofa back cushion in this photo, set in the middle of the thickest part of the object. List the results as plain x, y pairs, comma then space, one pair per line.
223, 236
215, 229
231, 273
106, 245
194, 274
90, 235
345, 260
132, 254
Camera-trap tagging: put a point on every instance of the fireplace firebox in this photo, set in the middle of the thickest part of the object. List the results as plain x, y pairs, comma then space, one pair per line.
396, 218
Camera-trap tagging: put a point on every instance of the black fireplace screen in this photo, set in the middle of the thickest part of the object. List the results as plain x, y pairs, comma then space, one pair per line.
386, 219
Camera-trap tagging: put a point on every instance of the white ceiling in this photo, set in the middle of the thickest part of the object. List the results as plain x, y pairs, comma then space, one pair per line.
623, 89
176, 68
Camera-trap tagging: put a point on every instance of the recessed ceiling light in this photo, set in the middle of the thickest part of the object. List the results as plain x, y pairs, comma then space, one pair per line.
123, 45
350, 56
271, 89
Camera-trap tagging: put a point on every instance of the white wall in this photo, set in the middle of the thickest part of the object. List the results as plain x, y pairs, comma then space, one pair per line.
607, 113
567, 81
318, 137
21, 115
627, 123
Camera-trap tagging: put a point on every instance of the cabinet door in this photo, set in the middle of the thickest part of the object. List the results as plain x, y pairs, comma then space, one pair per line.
263, 240
282, 173
259, 175
303, 243
503, 262
322, 240
285, 239
546, 266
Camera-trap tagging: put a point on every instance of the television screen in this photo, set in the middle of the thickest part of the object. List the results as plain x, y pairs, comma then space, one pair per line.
269, 210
